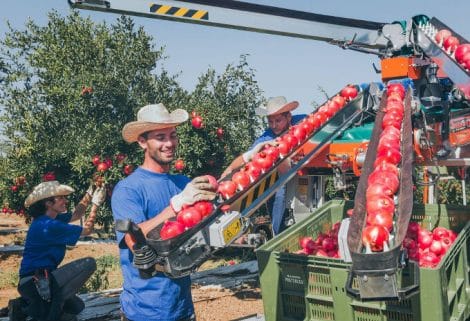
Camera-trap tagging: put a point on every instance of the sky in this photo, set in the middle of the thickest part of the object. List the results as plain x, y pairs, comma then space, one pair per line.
284, 66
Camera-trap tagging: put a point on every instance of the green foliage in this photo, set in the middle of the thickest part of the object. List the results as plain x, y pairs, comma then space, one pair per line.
69, 87
99, 280
225, 101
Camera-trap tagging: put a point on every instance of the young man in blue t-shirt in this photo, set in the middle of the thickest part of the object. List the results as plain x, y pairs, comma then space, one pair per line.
280, 118
148, 197
48, 292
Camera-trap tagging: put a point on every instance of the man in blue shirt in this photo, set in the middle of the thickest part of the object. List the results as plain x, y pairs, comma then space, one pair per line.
280, 118
149, 197
49, 292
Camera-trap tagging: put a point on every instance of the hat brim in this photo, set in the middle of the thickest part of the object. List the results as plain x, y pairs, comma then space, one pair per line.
133, 130
61, 190
287, 107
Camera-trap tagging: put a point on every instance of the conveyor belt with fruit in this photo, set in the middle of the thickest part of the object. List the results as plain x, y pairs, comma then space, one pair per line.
422, 117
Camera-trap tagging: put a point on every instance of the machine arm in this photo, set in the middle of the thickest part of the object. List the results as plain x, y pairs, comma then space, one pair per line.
366, 36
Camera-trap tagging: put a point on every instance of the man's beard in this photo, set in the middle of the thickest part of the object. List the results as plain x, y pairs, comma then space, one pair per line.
160, 161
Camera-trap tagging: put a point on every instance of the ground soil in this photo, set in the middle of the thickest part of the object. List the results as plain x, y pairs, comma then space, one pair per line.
212, 303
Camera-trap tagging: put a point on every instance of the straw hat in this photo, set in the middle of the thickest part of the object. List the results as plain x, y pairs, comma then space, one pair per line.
152, 117
46, 190
275, 106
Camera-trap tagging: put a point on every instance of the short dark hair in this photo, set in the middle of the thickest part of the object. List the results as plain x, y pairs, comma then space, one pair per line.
39, 208
145, 135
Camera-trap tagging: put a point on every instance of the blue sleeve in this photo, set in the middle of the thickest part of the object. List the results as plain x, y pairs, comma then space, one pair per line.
64, 217
63, 233
297, 118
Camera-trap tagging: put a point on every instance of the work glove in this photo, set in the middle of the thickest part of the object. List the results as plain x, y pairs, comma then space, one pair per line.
199, 189
99, 196
91, 190
247, 156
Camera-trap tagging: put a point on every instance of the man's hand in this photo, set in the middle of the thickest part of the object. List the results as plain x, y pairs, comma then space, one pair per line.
99, 196
248, 155
199, 189
90, 190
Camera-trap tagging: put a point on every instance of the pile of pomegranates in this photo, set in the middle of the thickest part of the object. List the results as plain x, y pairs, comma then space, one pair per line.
383, 182
427, 247
325, 244
452, 45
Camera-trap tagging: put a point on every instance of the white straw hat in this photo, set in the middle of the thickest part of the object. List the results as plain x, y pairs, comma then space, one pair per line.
275, 106
152, 117
46, 190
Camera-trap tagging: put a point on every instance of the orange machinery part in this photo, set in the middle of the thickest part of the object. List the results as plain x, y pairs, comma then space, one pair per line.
399, 67
337, 148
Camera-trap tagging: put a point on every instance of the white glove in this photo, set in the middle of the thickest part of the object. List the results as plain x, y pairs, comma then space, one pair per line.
91, 190
247, 156
199, 189
99, 196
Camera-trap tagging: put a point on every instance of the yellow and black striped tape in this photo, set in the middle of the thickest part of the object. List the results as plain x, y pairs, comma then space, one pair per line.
179, 12
258, 190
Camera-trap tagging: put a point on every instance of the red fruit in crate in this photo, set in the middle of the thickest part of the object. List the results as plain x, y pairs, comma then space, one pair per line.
374, 236
381, 217
428, 260
227, 189
252, 170
171, 229
189, 217
380, 203
442, 35
349, 92
213, 182
409, 243
241, 180
451, 43
436, 247
179, 165
196, 122
412, 231
440, 232
263, 161
328, 244
307, 244
204, 207
446, 243
424, 239
321, 253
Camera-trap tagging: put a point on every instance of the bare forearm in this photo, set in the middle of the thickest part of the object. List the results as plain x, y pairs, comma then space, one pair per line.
81, 207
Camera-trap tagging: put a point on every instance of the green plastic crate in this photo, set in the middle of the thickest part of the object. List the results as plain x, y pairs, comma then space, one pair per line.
296, 287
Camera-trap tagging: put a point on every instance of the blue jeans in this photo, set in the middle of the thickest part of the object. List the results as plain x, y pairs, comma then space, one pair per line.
277, 207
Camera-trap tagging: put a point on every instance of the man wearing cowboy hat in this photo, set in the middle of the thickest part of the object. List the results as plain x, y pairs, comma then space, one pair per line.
148, 197
49, 292
280, 118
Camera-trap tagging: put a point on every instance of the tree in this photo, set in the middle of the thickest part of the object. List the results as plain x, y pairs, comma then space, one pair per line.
226, 103
69, 87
